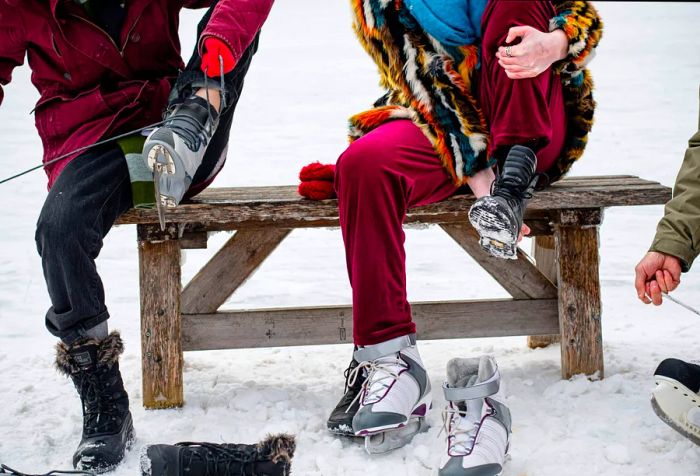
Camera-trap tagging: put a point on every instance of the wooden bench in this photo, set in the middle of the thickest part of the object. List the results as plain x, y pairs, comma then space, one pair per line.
556, 294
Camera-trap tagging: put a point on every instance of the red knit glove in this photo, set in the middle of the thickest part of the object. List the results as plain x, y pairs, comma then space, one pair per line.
317, 190
317, 181
317, 171
213, 48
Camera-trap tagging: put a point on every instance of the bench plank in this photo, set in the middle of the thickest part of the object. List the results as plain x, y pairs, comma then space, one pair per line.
233, 208
333, 325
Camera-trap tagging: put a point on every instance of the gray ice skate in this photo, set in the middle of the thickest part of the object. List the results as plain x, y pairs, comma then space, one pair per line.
477, 419
395, 396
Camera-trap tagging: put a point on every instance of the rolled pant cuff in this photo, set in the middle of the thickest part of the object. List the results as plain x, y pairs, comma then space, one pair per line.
74, 331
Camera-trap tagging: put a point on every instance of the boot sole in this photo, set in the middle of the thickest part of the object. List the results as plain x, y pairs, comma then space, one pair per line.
168, 172
494, 223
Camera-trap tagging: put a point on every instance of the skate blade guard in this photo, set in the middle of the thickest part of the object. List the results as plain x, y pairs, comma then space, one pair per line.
495, 225
673, 402
386, 441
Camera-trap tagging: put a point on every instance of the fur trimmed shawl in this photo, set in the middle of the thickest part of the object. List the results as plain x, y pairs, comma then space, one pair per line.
431, 84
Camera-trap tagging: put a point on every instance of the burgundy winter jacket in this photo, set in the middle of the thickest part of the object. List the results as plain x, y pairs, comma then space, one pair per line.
92, 88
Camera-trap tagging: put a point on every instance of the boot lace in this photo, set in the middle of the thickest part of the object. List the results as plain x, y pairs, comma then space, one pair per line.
100, 411
381, 374
4, 469
461, 429
220, 460
194, 134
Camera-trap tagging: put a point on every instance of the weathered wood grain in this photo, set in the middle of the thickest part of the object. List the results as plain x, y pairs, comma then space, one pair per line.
543, 250
194, 241
519, 277
283, 207
161, 346
579, 301
228, 269
333, 325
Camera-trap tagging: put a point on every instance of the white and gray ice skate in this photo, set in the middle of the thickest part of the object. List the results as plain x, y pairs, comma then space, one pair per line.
175, 150
676, 398
476, 419
395, 396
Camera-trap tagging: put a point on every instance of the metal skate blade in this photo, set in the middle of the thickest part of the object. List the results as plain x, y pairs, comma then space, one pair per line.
159, 204
159, 159
390, 440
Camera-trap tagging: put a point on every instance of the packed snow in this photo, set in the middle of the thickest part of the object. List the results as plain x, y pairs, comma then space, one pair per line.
308, 77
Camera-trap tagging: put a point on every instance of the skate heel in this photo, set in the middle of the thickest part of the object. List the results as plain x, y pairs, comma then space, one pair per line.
496, 227
160, 159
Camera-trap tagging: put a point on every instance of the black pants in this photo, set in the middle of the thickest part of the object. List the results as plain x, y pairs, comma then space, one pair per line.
87, 198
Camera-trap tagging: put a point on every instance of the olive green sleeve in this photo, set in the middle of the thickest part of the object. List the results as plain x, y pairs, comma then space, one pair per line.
678, 233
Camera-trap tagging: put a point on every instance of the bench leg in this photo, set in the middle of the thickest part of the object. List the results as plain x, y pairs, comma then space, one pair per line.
161, 346
546, 261
579, 300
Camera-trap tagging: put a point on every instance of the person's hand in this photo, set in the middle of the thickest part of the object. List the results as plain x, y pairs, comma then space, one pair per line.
534, 54
655, 274
524, 231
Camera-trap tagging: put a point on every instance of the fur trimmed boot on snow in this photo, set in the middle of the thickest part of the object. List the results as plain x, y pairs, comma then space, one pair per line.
395, 396
499, 217
271, 457
477, 419
676, 398
108, 430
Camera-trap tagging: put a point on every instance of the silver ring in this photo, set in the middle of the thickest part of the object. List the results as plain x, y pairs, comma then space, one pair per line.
508, 53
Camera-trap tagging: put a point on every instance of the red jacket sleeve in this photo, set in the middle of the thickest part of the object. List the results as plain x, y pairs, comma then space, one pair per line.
236, 22
12, 45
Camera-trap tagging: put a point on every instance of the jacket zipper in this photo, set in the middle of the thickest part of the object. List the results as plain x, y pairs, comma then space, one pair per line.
116, 47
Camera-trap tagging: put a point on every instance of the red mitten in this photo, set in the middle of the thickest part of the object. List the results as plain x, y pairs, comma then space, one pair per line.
213, 48
317, 171
317, 190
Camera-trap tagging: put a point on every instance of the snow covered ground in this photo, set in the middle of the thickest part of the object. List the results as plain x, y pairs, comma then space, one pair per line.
304, 83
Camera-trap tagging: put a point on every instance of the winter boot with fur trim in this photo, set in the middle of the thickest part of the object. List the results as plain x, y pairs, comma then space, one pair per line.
395, 396
676, 398
477, 419
108, 431
271, 457
499, 217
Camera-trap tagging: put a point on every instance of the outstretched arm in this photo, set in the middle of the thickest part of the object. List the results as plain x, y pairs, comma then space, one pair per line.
12, 48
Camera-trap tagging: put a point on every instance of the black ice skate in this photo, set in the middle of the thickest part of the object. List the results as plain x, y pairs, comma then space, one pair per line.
340, 421
498, 218
108, 431
271, 457
175, 150
676, 398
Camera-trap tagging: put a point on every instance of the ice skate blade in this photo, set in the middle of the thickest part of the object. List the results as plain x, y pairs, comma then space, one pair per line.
160, 160
380, 443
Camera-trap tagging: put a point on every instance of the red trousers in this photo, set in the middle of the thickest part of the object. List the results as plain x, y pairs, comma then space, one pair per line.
395, 167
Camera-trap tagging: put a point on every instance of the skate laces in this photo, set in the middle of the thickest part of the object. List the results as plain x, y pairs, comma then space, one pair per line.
381, 373
461, 428
218, 458
4, 469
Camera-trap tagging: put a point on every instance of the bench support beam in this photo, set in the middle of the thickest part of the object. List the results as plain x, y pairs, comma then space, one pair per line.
579, 300
546, 260
228, 269
161, 344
